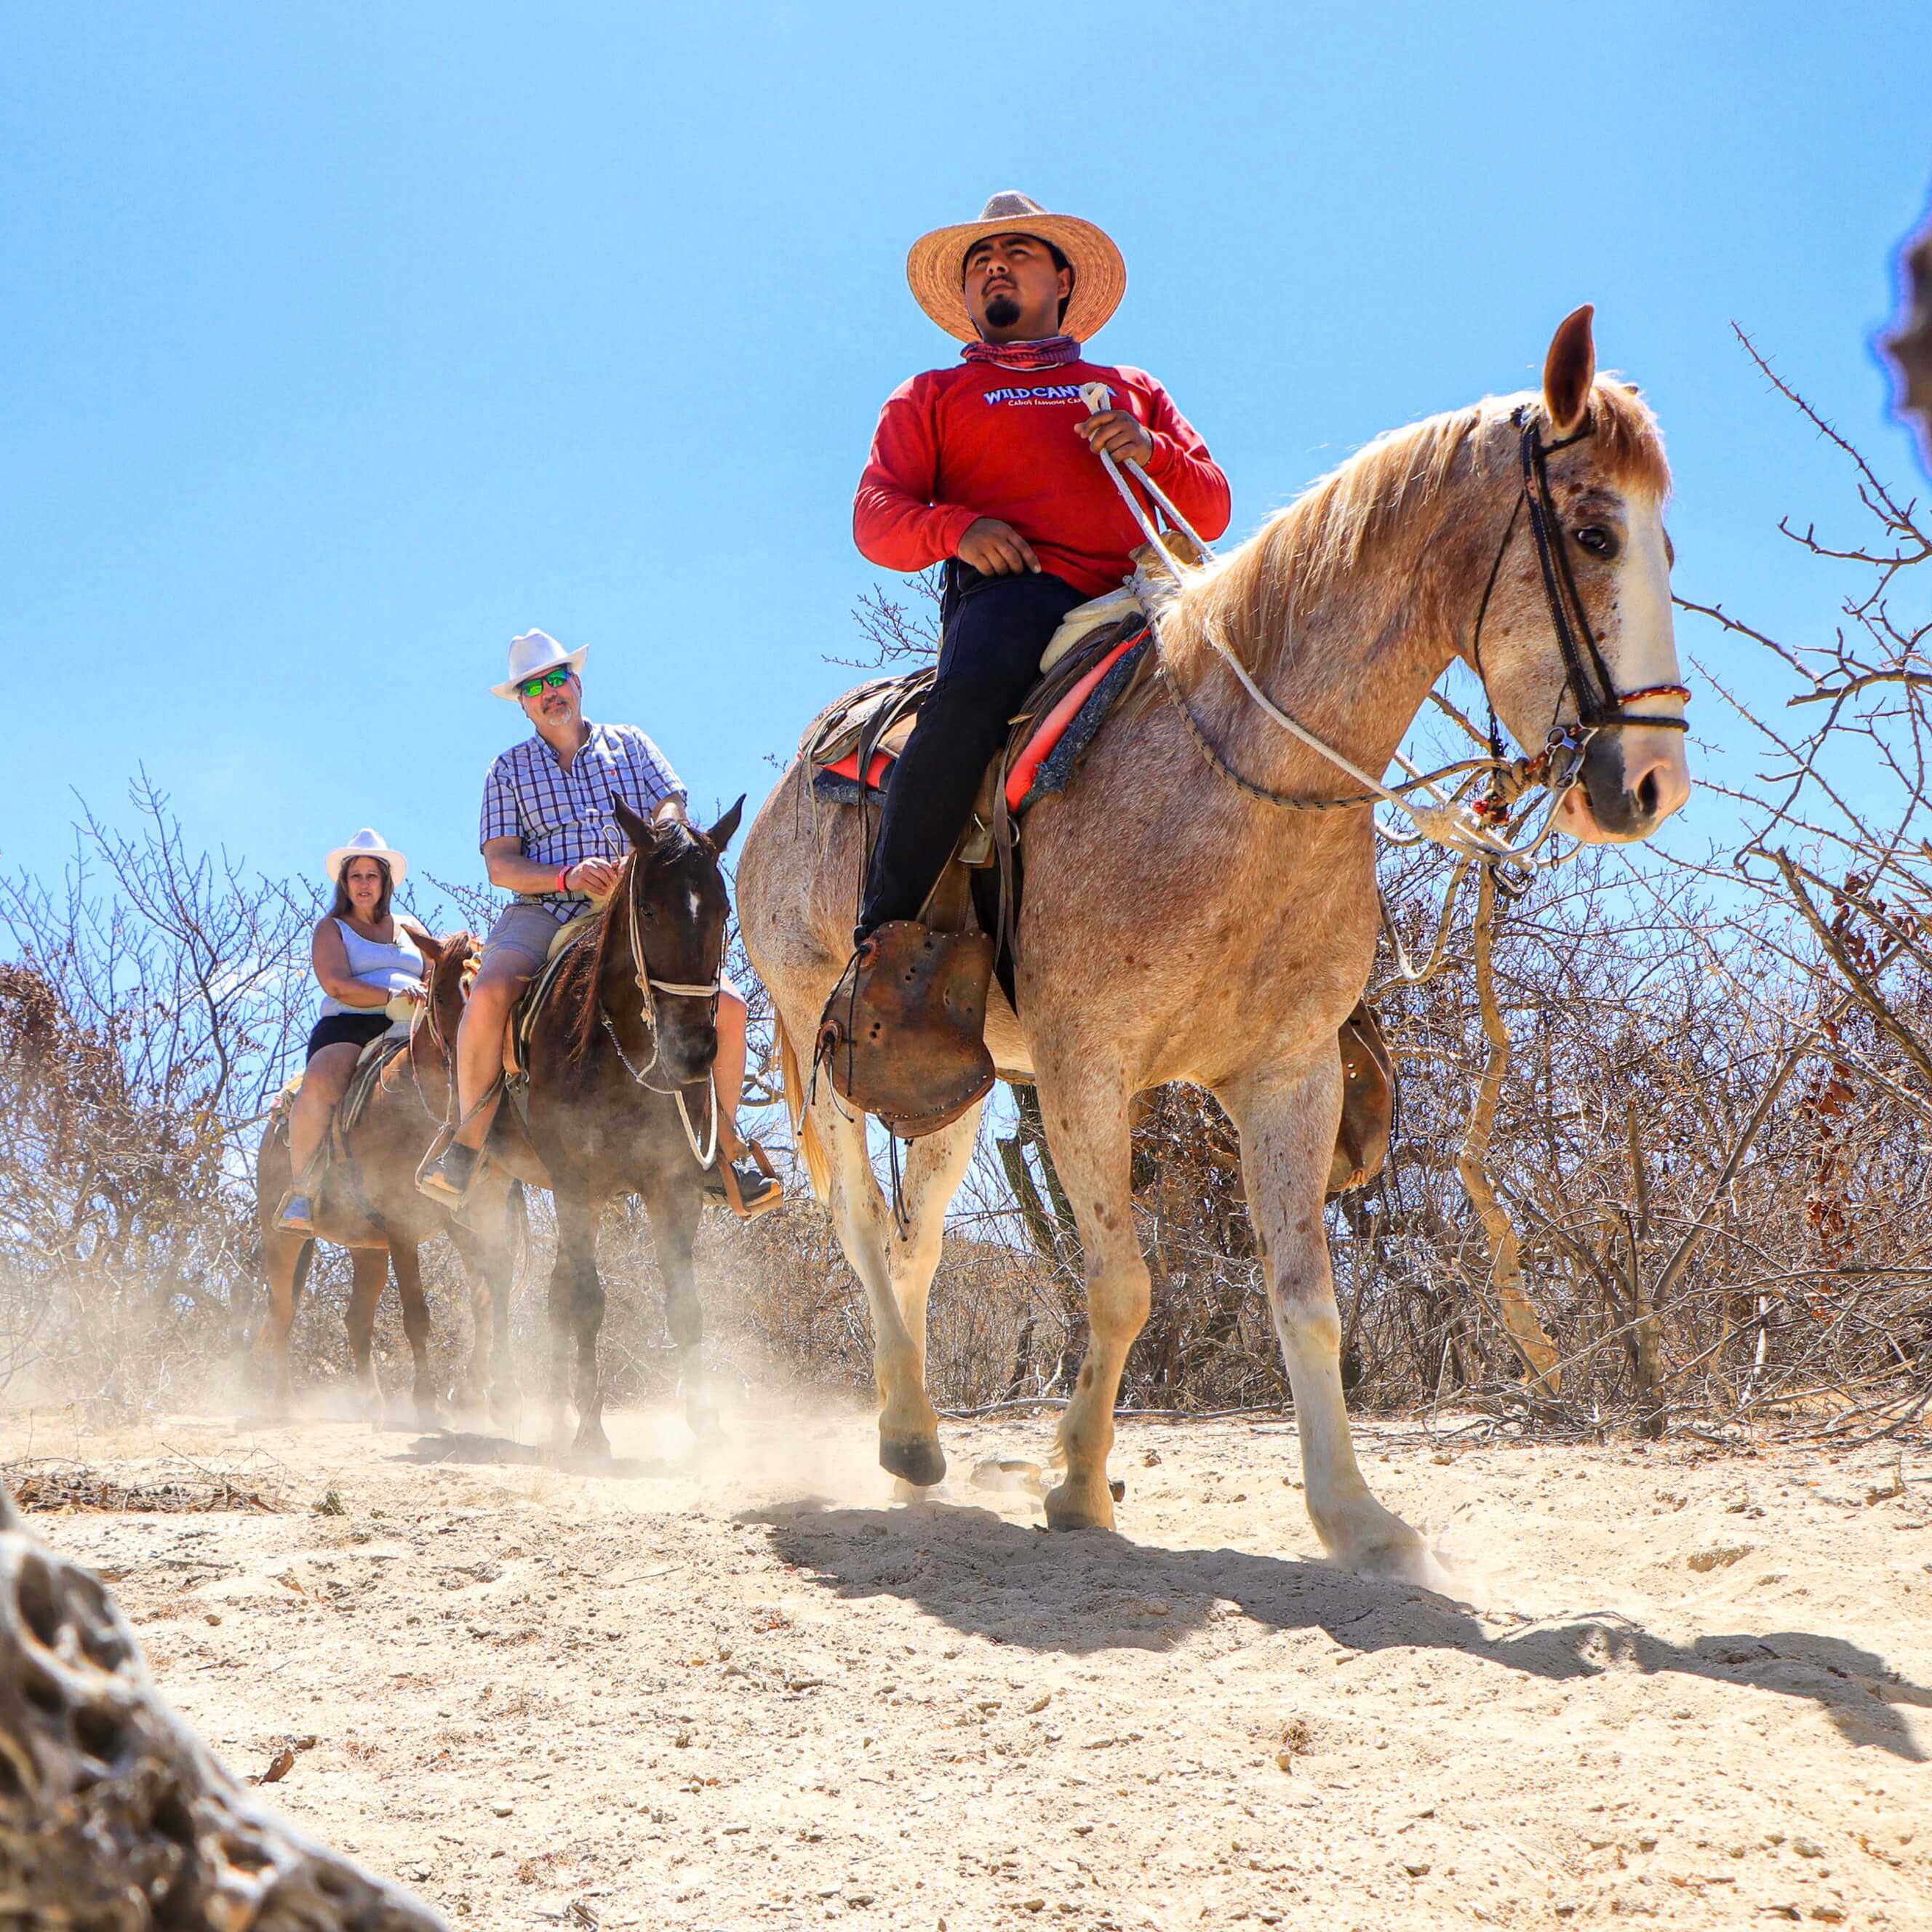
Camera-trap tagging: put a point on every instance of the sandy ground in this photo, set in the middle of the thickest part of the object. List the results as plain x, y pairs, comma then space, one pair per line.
750, 1692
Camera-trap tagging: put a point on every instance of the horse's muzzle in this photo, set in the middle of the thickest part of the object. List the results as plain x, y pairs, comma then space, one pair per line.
685, 1052
1632, 782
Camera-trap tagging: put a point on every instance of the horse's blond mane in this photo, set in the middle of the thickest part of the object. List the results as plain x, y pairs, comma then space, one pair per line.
1339, 520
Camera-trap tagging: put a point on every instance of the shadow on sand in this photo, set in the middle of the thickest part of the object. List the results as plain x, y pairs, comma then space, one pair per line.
1097, 1592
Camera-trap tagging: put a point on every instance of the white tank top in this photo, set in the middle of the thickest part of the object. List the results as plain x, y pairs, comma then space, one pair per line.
391, 967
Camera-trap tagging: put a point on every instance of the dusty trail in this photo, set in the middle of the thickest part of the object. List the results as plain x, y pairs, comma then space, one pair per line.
753, 1694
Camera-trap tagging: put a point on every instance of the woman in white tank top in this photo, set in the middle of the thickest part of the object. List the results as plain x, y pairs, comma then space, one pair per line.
371, 971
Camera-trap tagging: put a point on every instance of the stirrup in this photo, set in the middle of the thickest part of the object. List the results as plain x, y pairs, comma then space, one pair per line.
723, 1179
287, 1220
433, 1180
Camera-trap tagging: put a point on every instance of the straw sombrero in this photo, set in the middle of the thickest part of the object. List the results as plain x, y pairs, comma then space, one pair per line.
936, 266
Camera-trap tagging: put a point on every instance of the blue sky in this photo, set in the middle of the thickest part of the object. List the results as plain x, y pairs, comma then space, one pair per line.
339, 343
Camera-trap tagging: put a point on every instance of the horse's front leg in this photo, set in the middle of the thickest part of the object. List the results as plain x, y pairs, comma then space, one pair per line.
576, 1317
675, 1205
371, 1267
1085, 1105
1288, 1118
287, 1259
404, 1257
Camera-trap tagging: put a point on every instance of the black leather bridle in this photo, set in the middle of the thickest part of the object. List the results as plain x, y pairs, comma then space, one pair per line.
1599, 705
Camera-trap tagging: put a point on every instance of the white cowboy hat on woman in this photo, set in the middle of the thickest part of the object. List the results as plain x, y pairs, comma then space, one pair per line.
936, 267
368, 844
533, 654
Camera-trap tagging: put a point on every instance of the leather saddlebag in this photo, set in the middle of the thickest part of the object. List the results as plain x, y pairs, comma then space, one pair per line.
903, 1037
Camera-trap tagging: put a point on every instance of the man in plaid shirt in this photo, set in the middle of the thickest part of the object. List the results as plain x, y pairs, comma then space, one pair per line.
549, 835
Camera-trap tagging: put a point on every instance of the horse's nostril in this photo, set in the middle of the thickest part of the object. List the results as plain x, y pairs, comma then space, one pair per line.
1647, 795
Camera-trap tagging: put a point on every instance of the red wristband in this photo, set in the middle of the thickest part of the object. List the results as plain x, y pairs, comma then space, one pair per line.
563, 879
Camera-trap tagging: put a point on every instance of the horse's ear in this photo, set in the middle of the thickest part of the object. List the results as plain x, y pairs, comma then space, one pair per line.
721, 834
637, 830
431, 948
1569, 370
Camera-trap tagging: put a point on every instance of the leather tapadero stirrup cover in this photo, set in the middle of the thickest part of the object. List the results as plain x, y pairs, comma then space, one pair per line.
903, 1037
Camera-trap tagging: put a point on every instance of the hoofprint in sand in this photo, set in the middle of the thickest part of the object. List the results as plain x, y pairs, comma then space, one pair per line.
1695, 1685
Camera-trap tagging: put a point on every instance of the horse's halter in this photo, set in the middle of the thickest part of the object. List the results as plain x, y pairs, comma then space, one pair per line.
1586, 677
648, 987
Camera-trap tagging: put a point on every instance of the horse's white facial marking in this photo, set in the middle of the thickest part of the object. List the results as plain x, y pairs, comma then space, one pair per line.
1641, 651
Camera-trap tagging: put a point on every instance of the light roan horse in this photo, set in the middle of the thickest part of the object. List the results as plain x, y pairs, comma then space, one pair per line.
1176, 926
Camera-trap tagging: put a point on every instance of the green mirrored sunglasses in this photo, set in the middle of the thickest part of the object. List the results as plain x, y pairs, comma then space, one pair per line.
554, 680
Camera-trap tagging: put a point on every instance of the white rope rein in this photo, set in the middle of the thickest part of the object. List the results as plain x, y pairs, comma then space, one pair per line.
1441, 819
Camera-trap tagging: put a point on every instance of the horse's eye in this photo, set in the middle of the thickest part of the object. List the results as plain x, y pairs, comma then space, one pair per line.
1597, 541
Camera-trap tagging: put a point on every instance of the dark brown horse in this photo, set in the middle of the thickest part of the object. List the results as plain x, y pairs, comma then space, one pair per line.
368, 1203
620, 1063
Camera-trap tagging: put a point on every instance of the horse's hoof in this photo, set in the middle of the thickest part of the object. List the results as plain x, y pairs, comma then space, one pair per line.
1089, 1507
917, 1459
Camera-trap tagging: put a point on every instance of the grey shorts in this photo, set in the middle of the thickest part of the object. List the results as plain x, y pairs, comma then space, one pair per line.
524, 933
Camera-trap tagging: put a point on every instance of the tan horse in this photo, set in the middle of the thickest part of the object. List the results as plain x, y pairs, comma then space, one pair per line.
1177, 927
369, 1203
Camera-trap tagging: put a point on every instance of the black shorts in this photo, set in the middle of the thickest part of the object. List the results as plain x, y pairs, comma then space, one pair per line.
347, 1029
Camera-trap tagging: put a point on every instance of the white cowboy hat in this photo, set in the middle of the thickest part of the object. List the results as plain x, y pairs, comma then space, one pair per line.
368, 844
936, 267
533, 653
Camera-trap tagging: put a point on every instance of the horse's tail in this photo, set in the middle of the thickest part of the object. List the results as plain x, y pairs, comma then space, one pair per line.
804, 1130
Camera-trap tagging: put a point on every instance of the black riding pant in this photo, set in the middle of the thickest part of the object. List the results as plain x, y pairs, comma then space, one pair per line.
995, 629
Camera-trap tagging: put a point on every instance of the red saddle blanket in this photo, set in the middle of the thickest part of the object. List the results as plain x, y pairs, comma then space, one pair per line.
1066, 726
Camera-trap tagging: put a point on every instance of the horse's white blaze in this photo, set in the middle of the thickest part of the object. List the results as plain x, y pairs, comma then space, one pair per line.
1643, 652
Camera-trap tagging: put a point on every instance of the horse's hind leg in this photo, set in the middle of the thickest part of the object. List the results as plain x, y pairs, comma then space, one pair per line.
365, 1295
415, 1326
896, 1270
1287, 1123
1086, 1114
675, 1208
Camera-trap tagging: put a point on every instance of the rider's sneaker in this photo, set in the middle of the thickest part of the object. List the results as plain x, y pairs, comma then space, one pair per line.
298, 1215
448, 1181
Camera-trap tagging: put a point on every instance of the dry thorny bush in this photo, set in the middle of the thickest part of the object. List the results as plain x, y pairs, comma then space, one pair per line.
1705, 1146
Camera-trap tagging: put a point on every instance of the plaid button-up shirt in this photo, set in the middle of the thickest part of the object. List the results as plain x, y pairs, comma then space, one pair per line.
560, 817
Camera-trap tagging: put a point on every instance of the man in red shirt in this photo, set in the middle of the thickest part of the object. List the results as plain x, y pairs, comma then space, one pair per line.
992, 468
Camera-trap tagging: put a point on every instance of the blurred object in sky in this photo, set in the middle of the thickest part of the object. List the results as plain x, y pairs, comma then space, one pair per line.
1909, 345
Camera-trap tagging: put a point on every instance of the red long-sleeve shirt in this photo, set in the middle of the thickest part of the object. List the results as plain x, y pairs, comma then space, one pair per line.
954, 444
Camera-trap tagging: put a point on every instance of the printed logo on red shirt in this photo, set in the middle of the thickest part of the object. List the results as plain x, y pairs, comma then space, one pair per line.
1044, 392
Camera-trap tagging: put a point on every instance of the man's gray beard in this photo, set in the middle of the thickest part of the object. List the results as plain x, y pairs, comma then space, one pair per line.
1002, 312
